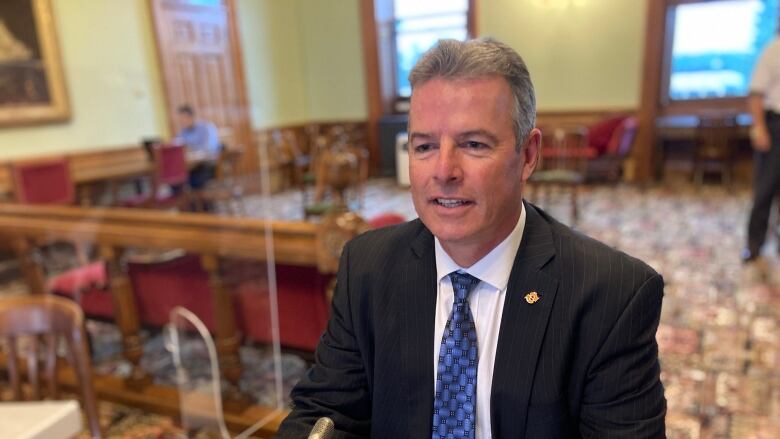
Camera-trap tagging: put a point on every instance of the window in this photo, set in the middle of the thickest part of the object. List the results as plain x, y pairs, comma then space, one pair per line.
714, 46
418, 25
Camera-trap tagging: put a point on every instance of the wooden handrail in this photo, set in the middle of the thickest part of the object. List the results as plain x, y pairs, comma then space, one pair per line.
193, 232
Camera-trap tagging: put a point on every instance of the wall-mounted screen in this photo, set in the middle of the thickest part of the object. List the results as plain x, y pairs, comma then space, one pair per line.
715, 45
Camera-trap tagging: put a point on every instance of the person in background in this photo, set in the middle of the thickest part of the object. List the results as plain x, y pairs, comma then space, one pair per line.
199, 136
764, 106
485, 317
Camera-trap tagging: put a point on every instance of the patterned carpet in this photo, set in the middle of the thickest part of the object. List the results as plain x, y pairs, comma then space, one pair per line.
720, 327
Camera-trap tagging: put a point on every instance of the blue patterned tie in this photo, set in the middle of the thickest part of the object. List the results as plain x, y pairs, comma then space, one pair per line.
455, 403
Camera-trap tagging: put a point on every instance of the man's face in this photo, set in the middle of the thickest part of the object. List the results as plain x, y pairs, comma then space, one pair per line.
466, 173
186, 120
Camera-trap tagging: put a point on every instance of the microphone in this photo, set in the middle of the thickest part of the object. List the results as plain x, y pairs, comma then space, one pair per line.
323, 429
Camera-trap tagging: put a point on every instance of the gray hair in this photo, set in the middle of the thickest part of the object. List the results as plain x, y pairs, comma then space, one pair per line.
453, 59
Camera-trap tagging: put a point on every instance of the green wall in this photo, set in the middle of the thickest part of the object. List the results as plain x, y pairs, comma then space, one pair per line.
112, 79
273, 61
333, 60
303, 60
580, 57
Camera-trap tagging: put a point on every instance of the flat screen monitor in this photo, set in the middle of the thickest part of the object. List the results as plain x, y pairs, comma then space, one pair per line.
715, 45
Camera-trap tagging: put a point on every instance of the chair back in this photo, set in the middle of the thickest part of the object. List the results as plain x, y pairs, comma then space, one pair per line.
35, 325
623, 137
228, 163
171, 162
336, 228
566, 150
715, 137
43, 182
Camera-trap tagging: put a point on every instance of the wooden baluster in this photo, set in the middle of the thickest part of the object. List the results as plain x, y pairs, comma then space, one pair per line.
126, 315
29, 264
227, 338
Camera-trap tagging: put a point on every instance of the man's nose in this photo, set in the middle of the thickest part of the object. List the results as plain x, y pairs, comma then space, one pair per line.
448, 168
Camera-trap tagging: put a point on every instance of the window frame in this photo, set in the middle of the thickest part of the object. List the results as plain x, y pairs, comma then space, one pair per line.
386, 54
396, 82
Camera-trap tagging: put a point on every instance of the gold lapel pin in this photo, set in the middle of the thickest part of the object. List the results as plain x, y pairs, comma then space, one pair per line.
532, 297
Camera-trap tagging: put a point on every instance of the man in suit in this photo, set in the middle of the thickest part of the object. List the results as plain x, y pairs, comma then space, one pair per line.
485, 317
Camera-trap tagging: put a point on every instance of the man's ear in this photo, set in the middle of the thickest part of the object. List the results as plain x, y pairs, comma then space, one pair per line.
531, 152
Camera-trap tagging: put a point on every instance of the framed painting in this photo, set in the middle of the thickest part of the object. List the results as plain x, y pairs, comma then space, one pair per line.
32, 85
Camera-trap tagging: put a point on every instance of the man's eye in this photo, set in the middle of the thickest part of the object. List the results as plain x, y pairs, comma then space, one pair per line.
474, 145
425, 147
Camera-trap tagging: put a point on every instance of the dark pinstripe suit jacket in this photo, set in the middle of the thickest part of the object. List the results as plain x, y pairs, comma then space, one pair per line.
580, 362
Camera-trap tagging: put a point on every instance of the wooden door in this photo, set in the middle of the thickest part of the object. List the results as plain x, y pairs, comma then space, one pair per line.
200, 55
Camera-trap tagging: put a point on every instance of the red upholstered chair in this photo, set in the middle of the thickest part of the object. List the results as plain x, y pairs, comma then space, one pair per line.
563, 163
161, 284
43, 182
87, 285
49, 181
170, 163
386, 219
168, 281
620, 133
302, 303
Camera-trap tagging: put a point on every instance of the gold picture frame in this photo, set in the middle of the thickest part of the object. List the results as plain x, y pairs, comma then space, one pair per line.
32, 84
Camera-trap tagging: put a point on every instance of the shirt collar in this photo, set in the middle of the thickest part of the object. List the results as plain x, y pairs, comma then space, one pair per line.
494, 268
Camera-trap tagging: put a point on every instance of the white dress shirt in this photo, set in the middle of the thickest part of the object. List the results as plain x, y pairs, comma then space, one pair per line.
766, 76
487, 306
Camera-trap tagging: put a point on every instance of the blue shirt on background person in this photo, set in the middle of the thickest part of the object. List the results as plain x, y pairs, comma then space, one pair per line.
200, 136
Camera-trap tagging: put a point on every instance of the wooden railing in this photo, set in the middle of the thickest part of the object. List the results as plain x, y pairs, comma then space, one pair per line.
91, 166
118, 162
114, 231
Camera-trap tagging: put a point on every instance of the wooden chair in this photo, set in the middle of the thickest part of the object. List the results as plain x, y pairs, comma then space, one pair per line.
226, 191
290, 156
563, 164
353, 136
170, 164
48, 181
609, 165
715, 137
228, 163
337, 227
46, 320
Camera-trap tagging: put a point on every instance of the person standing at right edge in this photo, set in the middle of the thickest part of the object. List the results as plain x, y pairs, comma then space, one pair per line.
764, 106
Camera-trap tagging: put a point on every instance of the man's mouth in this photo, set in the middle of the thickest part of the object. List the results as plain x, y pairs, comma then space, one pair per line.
451, 202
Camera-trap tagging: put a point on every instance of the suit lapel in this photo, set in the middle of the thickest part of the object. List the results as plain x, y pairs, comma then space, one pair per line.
523, 326
418, 287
